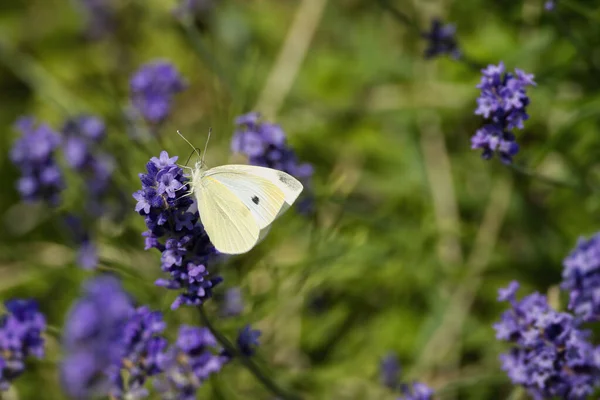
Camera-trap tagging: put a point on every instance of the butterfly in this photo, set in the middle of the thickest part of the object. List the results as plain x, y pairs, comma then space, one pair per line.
238, 203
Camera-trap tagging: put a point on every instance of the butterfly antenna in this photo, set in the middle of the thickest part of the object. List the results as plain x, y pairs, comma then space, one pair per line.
188, 142
206, 145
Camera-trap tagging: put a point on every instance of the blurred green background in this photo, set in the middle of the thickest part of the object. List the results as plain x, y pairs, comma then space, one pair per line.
414, 232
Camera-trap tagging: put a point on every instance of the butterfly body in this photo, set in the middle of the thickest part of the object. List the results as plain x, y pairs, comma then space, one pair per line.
238, 203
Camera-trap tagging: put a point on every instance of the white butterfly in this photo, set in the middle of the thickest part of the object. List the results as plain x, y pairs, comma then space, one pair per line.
238, 203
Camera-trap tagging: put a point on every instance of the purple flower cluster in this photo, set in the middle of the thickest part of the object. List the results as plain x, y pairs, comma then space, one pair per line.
113, 348
21, 331
34, 154
174, 230
390, 373
92, 336
441, 40
265, 145
551, 356
82, 137
503, 101
581, 278
415, 391
192, 359
247, 340
152, 89
141, 347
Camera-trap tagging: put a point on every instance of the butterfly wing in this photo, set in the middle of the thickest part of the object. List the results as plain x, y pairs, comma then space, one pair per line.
266, 192
230, 225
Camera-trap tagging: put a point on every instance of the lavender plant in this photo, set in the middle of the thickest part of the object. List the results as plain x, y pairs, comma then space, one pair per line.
441, 40
552, 355
35, 155
582, 280
21, 330
112, 347
193, 358
174, 230
153, 87
390, 377
503, 102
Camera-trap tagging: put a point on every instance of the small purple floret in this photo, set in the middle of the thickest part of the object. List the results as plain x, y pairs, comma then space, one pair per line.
247, 340
34, 154
581, 278
21, 331
390, 377
141, 346
441, 40
551, 356
153, 87
92, 335
190, 361
503, 102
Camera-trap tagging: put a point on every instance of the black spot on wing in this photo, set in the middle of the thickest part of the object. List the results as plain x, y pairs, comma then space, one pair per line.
285, 178
255, 200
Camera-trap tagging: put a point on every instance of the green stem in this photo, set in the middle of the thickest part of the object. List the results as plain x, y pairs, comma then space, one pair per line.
246, 361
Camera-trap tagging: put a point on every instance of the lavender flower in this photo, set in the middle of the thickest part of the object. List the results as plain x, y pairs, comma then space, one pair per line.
82, 137
34, 154
21, 331
152, 89
247, 340
390, 371
549, 5
174, 230
141, 347
503, 101
581, 277
265, 145
188, 363
92, 337
416, 391
551, 356
441, 40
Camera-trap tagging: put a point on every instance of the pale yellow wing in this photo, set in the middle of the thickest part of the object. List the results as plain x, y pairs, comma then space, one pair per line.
268, 193
230, 225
